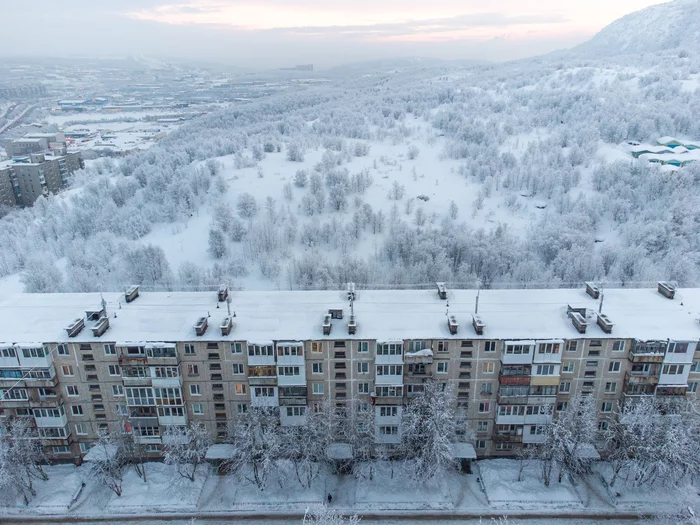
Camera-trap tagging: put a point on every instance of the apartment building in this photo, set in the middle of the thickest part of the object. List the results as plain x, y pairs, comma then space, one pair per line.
75, 363
38, 174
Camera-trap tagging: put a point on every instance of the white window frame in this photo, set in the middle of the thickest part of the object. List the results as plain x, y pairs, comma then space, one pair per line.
195, 389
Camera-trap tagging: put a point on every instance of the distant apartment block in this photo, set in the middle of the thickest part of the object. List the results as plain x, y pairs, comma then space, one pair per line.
80, 363
39, 165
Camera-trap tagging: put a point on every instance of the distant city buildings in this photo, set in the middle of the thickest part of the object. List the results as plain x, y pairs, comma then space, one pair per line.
39, 165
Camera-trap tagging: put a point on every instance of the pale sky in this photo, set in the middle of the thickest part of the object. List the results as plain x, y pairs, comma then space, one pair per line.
275, 33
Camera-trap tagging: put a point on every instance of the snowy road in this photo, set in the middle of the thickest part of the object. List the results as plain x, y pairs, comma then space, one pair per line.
515, 518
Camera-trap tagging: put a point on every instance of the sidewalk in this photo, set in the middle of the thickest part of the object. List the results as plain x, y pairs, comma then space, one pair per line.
493, 490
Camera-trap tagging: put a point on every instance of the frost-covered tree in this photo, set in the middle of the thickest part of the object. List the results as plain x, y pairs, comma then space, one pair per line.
106, 461
186, 448
300, 179
412, 152
428, 430
40, 275
247, 206
295, 153
21, 458
258, 444
217, 243
397, 191
147, 266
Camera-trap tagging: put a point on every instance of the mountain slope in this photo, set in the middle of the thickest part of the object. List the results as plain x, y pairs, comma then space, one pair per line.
673, 25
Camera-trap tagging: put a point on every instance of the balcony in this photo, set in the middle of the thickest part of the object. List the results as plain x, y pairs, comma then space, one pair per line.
652, 352
136, 381
172, 420
262, 375
667, 391
147, 440
167, 382
510, 419
389, 359
51, 422
385, 400
510, 437
514, 380
37, 401
642, 378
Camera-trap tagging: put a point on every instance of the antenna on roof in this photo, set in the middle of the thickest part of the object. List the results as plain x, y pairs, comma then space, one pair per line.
228, 305
600, 305
476, 305
447, 310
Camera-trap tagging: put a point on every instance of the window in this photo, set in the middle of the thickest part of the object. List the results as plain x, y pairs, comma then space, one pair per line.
289, 371
389, 349
482, 426
62, 349
572, 346
389, 391
614, 366
67, 370
489, 367
695, 367
236, 348
548, 348
618, 346
610, 387
480, 443
544, 370
241, 389
567, 367
114, 370
562, 405
117, 390
60, 449
486, 388
198, 409
363, 347
363, 368
603, 426
316, 346
517, 349
195, 390
264, 391
363, 388
81, 429
388, 411
238, 369
192, 370
296, 411
443, 346
417, 346
673, 369
110, 349
121, 410
84, 448
678, 348
317, 368
484, 407
693, 387
72, 391
189, 349
34, 352
606, 407
241, 408
489, 346
317, 389
76, 410
565, 387
388, 430
442, 367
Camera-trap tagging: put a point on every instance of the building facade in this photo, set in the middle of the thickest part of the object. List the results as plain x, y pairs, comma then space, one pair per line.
77, 363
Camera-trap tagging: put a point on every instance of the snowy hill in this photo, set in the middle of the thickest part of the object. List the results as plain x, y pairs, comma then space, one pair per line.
672, 25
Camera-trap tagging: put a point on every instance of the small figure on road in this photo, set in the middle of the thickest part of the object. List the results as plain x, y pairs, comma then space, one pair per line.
330, 498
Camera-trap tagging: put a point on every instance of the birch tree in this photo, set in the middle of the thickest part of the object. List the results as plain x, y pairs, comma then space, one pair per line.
21, 458
106, 461
186, 448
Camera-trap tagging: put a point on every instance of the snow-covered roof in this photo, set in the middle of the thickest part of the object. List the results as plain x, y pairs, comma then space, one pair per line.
463, 451
382, 315
101, 453
220, 451
667, 139
427, 352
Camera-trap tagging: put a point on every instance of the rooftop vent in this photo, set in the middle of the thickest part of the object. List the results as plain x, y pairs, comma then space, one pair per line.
100, 327
335, 313
327, 324
667, 290
578, 318
223, 292
478, 324
605, 323
201, 326
226, 325
95, 315
352, 325
132, 292
592, 290
351, 292
75, 327
452, 324
442, 290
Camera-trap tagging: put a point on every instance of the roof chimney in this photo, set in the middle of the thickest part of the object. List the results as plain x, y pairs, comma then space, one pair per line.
452, 324
223, 292
667, 289
132, 292
200, 327
442, 291
578, 318
327, 324
75, 327
592, 290
226, 325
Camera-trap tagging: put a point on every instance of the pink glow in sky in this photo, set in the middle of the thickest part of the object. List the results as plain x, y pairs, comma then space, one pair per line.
273, 33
